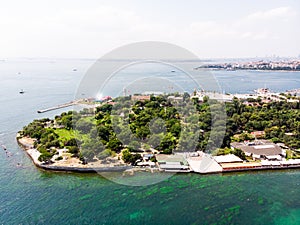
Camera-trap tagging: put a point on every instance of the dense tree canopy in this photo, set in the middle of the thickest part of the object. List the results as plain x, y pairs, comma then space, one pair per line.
158, 123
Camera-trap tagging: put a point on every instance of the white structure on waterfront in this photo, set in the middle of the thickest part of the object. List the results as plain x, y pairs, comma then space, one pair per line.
230, 158
204, 164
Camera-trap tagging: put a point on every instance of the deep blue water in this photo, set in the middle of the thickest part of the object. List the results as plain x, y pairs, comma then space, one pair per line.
32, 196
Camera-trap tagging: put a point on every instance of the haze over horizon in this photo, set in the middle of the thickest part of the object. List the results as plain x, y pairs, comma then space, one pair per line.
210, 29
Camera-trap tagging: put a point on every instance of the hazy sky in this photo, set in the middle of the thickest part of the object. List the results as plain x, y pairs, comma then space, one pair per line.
90, 28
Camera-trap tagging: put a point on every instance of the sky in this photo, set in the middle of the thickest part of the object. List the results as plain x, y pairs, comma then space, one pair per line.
91, 28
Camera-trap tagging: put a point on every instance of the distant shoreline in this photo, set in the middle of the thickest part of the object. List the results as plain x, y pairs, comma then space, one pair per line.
289, 65
248, 70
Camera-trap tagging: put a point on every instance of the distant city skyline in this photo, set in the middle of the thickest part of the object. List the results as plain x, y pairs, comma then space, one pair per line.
89, 29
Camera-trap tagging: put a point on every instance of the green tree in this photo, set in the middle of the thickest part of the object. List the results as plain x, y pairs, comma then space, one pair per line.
73, 150
129, 157
45, 157
114, 144
84, 126
134, 146
239, 153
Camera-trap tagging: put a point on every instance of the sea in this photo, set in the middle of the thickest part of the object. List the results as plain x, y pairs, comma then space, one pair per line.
29, 195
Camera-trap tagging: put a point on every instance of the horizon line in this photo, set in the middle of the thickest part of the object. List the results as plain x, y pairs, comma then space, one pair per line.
200, 58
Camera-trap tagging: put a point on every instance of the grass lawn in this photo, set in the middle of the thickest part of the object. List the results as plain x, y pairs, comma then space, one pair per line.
65, 135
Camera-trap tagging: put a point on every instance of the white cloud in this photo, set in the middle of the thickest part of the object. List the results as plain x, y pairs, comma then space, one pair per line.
278, 13
90, 32
257, 34
256, 26
103, 17
210, 29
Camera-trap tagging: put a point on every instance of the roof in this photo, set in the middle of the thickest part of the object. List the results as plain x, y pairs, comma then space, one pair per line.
291, 162
273, 157
174, 166
270, 163
140, 97
148, 155
207, 164
240, 165
262, 147
146, 163
227, 158
164, 158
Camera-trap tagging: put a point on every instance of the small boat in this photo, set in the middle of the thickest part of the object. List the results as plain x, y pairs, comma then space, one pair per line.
21, 91
173, 71
74, 69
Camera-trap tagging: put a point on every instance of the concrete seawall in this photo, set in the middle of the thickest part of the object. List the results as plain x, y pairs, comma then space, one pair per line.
84, 170
34, 154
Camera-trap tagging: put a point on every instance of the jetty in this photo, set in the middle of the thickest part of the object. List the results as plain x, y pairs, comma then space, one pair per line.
71, 103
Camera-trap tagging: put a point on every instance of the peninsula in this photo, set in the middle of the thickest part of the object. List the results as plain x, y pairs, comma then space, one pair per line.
124, 133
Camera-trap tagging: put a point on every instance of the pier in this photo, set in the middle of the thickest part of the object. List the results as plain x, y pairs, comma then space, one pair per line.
60, 106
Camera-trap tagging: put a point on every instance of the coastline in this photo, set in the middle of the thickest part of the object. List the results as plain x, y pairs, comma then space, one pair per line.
248, 70
33, 154
264, 154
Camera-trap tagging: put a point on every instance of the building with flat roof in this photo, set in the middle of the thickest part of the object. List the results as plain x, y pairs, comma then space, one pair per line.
140, 97
172, 163
240, 166
230, 158
260, 149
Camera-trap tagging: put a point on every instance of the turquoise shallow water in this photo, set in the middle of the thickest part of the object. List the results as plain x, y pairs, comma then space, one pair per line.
32, 196
37, 197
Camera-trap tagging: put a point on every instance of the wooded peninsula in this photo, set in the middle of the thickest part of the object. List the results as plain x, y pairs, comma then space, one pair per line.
138, 130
